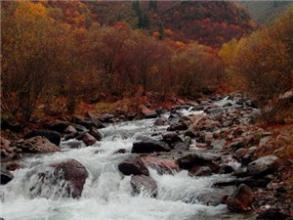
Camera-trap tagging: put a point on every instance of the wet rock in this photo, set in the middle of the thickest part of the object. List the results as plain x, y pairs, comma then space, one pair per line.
70, 130
64, 179
74, 144
5, 176
171, 137
263, 165
147, 113
198, 159
73, 172
133, 166
120, 151
87, 139
177, 126
36, 144
59, 126
161, 165
272, 214
161, 121
149, 145
180, 146
144, 183
11, 125
89, 122
203, 171
53, 136
106, 118
241, 199
96, 134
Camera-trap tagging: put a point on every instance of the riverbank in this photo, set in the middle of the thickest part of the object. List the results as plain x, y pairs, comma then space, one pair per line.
203, 159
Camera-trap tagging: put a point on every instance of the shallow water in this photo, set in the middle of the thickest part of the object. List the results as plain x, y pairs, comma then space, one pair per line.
106, 195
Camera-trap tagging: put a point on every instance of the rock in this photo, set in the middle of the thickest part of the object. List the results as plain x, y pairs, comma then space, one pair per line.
160, 165
203, 171
196, 159
96, 134
161, 121
241, 199
5, 176
87, 139
149, 145
88, 122
147, 113
36, 144
64, 179
52, 136
10, 124
177, 126
171, 138
59, 126
70, 130
120, 151
133, 166
263, 165
74, 144
106, 118
180, 146
205, 123
144, 183
272, 214
7, 151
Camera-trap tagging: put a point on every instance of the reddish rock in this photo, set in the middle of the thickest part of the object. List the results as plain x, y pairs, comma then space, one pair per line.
144, 184
161, 165
87, 139
37, 145
147, 113
73, 172
241, 199
133, 166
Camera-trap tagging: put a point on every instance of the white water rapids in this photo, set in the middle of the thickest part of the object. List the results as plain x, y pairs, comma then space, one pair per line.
106, 195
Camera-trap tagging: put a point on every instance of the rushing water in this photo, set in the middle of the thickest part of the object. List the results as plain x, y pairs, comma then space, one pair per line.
106, 195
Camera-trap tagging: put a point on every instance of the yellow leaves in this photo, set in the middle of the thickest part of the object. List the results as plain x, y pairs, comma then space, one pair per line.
30, 11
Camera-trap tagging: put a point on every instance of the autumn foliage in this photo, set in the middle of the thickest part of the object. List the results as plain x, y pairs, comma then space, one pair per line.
46, 56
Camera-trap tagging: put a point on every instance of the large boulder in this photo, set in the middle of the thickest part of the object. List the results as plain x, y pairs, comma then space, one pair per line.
149, 145
36, 144
161, 165
64, 179
52, 136
144, 184
133, 166
241, 199
263, 165
197, 159
5, 176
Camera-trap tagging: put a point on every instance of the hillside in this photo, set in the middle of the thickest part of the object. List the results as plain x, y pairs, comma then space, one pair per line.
210, 23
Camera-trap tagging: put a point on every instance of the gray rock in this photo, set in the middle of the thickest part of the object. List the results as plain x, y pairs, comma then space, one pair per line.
263, 165
144, 183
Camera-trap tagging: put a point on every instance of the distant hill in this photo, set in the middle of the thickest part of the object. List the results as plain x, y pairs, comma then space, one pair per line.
265, 11
210, 23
